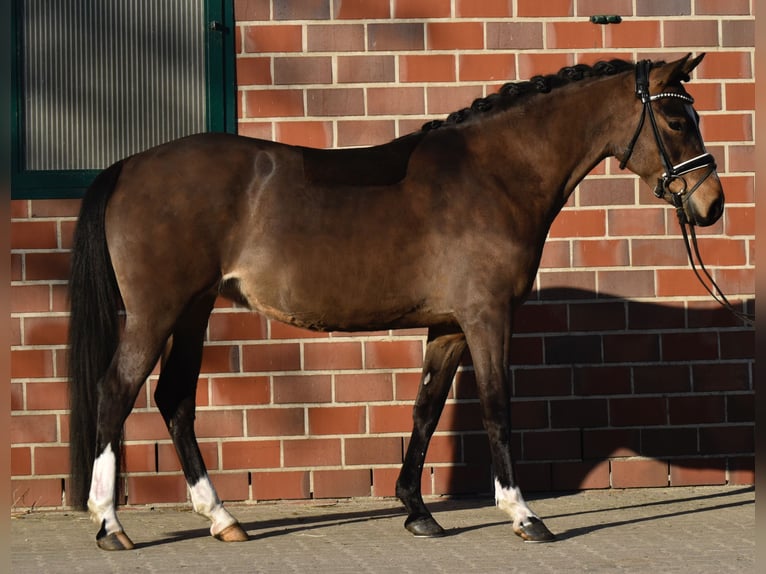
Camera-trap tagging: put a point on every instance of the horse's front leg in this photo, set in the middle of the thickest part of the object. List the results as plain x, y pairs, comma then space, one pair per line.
443, 354
489, 349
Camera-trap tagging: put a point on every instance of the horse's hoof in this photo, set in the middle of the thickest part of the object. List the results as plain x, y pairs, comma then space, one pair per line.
424, 527
533, 530
233, 533
115, 541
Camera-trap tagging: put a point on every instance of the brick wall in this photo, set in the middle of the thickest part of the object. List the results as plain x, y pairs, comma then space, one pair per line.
625, 373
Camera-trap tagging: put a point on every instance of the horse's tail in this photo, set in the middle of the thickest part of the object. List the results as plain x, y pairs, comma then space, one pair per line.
93, 328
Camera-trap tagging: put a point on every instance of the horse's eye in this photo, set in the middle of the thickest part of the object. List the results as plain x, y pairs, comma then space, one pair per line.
676, 126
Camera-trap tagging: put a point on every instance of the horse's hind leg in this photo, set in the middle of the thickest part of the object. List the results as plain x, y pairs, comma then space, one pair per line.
175, 397
133, 361
443, 353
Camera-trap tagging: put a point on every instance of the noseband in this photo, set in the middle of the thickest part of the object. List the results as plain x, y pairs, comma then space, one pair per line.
672, 172
676, 173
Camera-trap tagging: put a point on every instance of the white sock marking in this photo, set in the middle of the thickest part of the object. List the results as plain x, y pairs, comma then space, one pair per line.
205, 501
101, 495
511, 501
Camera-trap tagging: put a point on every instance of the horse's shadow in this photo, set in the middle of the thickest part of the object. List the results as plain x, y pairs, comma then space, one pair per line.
265, 529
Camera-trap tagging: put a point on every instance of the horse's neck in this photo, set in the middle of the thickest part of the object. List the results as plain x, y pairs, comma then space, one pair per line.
561, 136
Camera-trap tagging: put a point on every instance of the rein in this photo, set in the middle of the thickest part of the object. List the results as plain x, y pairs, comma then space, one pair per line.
675, 173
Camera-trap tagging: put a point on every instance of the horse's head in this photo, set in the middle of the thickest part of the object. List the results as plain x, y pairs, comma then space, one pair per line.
667, 151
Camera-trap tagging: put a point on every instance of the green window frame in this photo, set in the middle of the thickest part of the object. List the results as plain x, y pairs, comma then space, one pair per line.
220, 104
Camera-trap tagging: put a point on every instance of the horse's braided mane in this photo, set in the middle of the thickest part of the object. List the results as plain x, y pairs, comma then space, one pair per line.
511, 92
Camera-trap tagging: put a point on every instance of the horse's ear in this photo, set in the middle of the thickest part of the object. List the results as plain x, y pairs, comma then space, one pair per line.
678, 71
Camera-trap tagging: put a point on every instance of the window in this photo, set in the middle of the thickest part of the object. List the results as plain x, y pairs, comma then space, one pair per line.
97, 80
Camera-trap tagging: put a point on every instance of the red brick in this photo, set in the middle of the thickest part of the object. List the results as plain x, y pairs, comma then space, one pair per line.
281, 38
309, 134
636, 34
55, 208
271, 357
342, 483
535, 8
529, 414
276, 422
247, 10
366, 69
336, 38
21, 461
34, 235
443, 100
627, 283
721, 377
552, 445
600, 253
390, 418
335, 102
602, 380
254, 71
727, 439
484, 9
573, 35
602, 316
631, 348
375, 450
639, 473
45, 331
384, 482
741, 470
30, 298
312, 452
273, 103
421, 9
455, 35
663, 8
668, 441
515, 36
637, 411
302, 70
682, 33
168, 461
461, 480
36, 493
304, 10
363, 387
239, 391
250, 454
629, 222
578, 413
698, 345
427, 68
284, 331
738, 33
484, 67
741, 158
590, 7
140, 458
658, 253
556, 254
395, 101
406, 386
354, 133
231, 486
727, 127
678, 282
540, 382
47, 396
145, 426
396, 36
156, 489
580, 475
337, 420
661, 379
611, 443
696, 472
739, 97
582, 223
220, 359
725, 65
46, 266
397, 354
362, 9
33, 429
215, 424
281, 485
237, 326
303, 389
728, 8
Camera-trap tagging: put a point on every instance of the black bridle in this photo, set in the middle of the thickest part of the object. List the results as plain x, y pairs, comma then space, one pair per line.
676, 173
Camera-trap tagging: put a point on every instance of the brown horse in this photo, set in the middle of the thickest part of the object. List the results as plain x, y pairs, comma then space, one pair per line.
442, 229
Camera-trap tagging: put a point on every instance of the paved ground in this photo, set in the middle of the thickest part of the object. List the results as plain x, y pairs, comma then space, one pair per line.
695, 530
